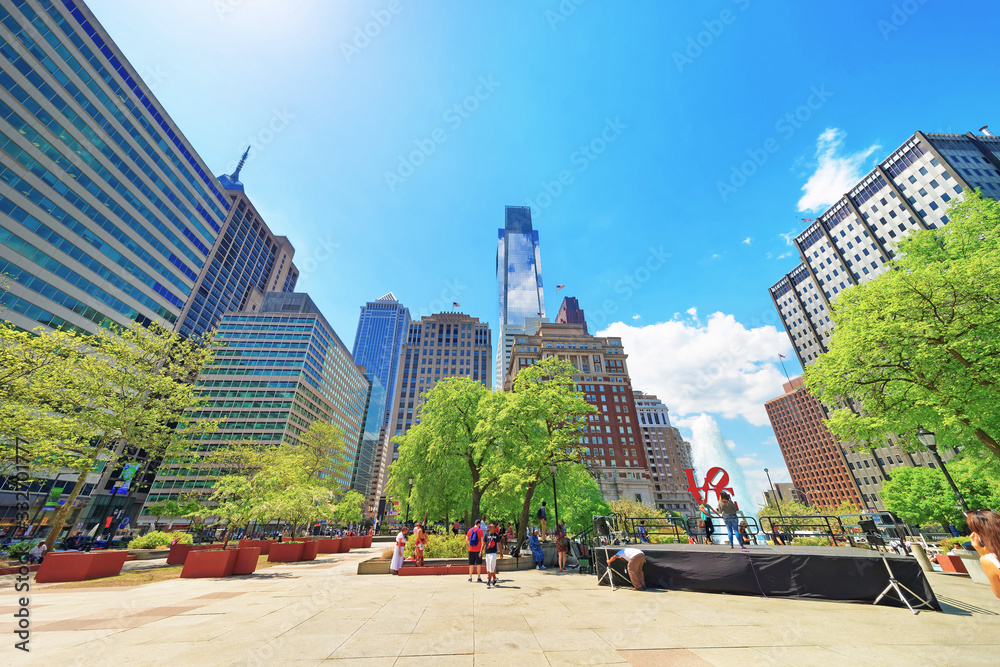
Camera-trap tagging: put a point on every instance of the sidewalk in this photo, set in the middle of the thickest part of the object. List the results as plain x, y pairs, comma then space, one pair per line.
306, 613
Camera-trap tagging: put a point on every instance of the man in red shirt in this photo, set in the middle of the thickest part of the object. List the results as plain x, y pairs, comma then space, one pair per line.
474, 538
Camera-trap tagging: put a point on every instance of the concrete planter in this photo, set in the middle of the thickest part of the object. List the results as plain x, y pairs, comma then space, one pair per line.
149, 554
975, 568
285, 552
209, 563
952, 564
373, 567
309, 550
79, 566
246, 560
329, 545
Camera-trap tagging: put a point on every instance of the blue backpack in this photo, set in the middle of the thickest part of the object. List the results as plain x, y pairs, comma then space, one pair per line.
474, 538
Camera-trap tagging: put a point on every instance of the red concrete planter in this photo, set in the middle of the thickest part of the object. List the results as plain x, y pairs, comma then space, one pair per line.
952, 564
309, 550
285, 552
263, 545
80, 566
367, 541
329, 546
353, 542
246, 560
209, 563
179, 552
343, 545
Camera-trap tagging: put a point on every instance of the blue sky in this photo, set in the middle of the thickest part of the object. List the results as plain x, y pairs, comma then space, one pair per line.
643, 111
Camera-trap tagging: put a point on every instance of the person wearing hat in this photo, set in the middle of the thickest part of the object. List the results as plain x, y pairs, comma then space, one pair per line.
397, 556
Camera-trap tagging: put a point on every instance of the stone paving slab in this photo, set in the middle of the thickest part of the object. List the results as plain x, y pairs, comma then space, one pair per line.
324, 613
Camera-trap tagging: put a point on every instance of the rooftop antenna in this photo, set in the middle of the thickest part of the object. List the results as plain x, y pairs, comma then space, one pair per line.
236, 174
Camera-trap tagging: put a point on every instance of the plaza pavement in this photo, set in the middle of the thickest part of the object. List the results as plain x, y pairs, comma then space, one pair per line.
304, 614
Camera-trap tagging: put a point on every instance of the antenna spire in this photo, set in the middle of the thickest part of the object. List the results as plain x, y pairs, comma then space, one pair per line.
236, 174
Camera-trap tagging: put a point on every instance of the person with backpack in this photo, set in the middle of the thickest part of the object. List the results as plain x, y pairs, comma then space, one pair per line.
474, 540
543, 515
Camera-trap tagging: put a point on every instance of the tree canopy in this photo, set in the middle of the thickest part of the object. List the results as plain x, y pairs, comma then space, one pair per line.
922, 495
920, 344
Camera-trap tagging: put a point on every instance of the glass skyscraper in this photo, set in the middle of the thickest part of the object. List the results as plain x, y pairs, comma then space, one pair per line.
382, 328
519, 280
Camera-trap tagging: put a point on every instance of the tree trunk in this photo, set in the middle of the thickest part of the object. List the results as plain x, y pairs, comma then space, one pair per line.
59, 520
522, 529
989, 441
229, 533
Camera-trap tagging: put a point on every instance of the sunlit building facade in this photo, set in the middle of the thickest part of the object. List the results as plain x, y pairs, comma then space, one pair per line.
519, 279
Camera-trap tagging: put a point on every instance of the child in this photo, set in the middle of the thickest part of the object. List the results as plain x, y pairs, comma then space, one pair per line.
491, 548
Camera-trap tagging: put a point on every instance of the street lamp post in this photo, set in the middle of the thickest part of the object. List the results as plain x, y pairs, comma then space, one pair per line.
407, 519
929, 440
555, 498
774, 494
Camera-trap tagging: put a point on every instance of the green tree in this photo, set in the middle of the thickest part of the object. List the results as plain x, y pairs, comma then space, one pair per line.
350, 508
327, 455
452, 428
539, 424
920, 344
923, 495
173, 509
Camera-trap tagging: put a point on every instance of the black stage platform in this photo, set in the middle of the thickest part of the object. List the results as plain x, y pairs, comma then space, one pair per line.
823, 573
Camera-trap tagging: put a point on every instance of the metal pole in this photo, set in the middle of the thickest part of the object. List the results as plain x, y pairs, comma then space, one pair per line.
774, 494
555, 499
958, 494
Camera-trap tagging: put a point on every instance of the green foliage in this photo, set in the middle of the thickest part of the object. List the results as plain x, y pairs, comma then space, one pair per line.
811, 541
350, 508
20, 549
950, 543
789, 514
656, 520
923, 495
157, 538
920, 344
579, 499
173, 509
439, 546
326, 455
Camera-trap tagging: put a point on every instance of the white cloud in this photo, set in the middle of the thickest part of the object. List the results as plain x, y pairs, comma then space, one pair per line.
636, 316
835, 174
747, 240
718, 366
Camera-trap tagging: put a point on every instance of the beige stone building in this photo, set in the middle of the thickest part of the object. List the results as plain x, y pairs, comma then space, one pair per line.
668, 455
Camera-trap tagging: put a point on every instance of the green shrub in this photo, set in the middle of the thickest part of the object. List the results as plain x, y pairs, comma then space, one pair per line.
439, 546
811, 541
158, 538
15, 551
949, 543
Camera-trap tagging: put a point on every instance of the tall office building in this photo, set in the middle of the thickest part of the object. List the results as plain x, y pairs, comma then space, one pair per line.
784, 492
378, 342
824, 472
109, 214
667, 452
436, 348
519, 280
854, 239
614, 446
281, 368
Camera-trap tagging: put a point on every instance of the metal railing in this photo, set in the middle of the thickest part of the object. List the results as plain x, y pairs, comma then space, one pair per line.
788, 528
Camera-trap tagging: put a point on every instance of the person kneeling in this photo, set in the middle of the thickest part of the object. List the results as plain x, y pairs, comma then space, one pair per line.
636, 559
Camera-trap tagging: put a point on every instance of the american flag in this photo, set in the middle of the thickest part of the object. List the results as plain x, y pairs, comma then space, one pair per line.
559, 287
456, 304
781, 356
807, 219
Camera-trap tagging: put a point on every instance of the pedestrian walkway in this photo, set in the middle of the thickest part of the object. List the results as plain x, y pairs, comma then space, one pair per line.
304, 614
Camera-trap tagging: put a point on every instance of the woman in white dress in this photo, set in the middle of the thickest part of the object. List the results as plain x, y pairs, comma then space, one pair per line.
397, 556
985, 525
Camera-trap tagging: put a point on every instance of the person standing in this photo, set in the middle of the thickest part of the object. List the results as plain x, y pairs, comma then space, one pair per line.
419, 543
706, 520
636, 559
727, 508
543, 516
454, 527
562, 545
397, 556
491, 548
536, 550
643, 532
474, 541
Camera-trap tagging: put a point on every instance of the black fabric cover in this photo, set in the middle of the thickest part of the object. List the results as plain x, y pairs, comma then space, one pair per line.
825, 573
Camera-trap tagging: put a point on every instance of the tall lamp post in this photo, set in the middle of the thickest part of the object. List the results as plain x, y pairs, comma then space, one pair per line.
774, 494
555, 498
929, 440
408, 493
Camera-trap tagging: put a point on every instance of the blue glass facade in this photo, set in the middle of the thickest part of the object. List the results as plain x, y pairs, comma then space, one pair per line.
378, 342
519, 278
108, 215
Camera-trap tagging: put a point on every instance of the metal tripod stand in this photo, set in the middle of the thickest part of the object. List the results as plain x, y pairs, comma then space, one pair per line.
894, 585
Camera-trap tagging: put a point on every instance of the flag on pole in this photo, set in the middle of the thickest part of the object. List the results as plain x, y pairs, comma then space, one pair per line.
782, 356
559, 287
456, 304
807, 219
